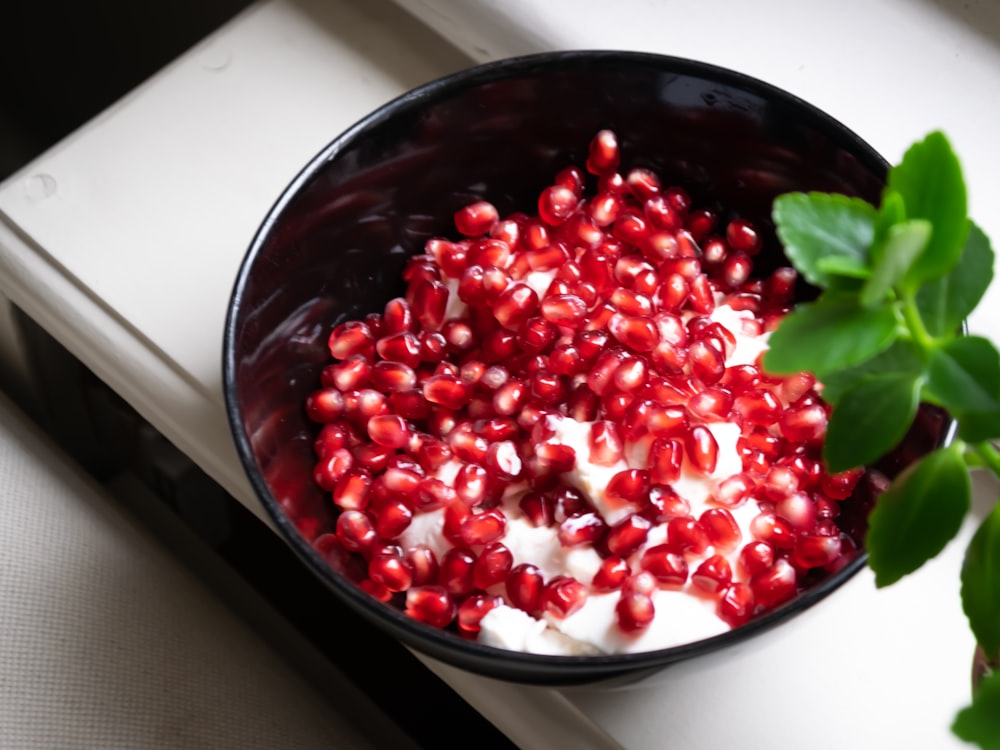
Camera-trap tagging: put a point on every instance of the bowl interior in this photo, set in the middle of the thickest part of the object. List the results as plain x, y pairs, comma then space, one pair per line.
334, 246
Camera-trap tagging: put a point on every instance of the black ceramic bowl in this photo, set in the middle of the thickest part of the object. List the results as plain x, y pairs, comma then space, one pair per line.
334, 245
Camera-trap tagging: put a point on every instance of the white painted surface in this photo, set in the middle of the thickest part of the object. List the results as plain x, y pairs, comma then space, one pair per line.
124, 241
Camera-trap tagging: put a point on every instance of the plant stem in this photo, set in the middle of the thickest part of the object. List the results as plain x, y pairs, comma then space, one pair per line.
915, 323
988, 455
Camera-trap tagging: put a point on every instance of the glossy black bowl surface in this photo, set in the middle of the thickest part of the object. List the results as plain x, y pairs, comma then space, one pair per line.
334, 245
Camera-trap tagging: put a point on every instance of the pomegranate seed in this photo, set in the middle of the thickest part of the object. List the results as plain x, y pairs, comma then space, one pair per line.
755, 557
503, 461
449, 391
806, 424
350, 338
393, 518
736, 269
325, 405
798, 509
711, 405
471, 484
626, 536
775, 585
815, 551
556, 457
768, 527
666, 457
736, 604
476, 219
636, 332
431, 605
456, 571
391, 571
627, 487
562, 596
605, 442
700, 223
355, 531
701, 297
743, 237
556, 204
604, 208
539, 509
423, 563
515, 305
758, 407
483, 528
510, 397
604, 155
433, 493
642, 183
524, 587
841, 486
585, 528
375, 590
492, 566
472, 611
611, 575
352, 490
707, 362
429, 303
701, 449
686, 535
735, 490
564, 309
664, 503
634, 611
668, 567
331, 467
713, 574
721, 529
389, 430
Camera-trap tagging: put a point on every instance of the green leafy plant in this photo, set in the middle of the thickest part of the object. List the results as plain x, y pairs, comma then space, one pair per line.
897, 281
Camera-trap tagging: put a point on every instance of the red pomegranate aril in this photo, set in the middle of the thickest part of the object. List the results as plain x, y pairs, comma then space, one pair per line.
555, 457
389, 430
755, 557
492, 566
375, 590
392, 518
471, 484
334, 436
492, 252
758, 407
433, 493
768, 527
556, 204
642, 183
432, 346
636, 332
331, 467
616, 404
351, 373
423, 563
815, 550
563, 309
665, 459
700, 223
429, 302
611, 182
735, 490
611, 575
841, 486
713, 574
476, 219
352, 489
796, 386
634, 611
455, 572
604, 208
515, 305
736, 604
571, 177
524, 587
798, 509
701, 296
483, 528
372, 456
431, 605
449, 391
605, 442
585, 528
686, 535
352, 337
736, 269
604, 154
714, 250
805, 424
627, 487
628, 535
503, 461
391, 571
707, 363
670, 568
744, 237
355, 531
562, 596
547, 387
663, 503
711, 405
775, 585
701, 449
632, 228
661, 213
397, 317
472, 611
721, 529
325, 405
538, 508
780, 482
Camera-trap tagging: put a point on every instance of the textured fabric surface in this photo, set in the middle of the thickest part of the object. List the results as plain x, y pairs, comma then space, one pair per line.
107, 642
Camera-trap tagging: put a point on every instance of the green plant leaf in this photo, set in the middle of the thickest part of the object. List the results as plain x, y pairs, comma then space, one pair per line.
902, 358
945, 302
980, 722
918, 515
892, 211
903, 243
977, 426
929, 179
828, 335
981, 582
812, 226
964, 375
843, 265
870, 419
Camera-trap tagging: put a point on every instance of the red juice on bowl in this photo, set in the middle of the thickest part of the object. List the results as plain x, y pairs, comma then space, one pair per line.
560, 439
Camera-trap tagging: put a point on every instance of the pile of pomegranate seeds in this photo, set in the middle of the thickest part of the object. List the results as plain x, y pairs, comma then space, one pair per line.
589, 376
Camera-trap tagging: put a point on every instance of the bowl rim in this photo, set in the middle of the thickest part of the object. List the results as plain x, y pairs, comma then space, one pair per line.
506, 664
